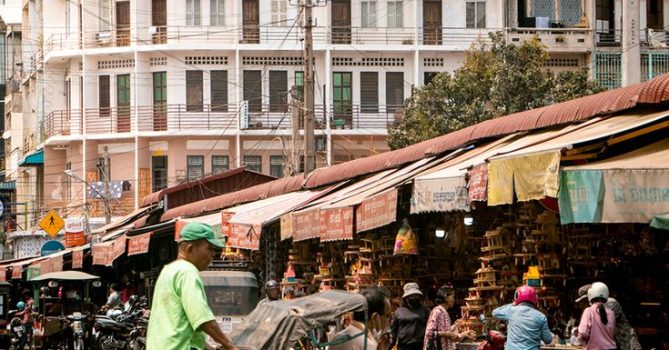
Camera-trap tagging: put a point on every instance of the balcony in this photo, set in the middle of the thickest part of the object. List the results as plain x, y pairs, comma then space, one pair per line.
649, 38
555, 39
185, 118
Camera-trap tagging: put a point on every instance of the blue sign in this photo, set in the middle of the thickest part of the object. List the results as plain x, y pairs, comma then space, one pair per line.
50, 247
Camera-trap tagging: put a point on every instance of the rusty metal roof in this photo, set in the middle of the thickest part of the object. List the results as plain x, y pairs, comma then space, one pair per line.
266, 190
653, 92
208, 186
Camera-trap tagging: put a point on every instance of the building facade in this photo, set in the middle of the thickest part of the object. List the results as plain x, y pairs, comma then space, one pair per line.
149, 93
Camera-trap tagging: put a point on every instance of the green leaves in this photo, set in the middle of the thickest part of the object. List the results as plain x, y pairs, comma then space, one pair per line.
495, 79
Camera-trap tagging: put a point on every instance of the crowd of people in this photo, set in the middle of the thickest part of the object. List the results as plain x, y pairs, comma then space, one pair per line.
181, 316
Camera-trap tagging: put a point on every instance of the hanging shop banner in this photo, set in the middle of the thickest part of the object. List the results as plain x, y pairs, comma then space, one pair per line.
178, 226
286, 226
306, 225
103, 253
336, 224
478, 183
376, 211
17, 271
3, 273
74, 232
445, 194
57, 263
77, 259
118, 248
44, 266
139, 244
226, 229
613, 196
243, 237
533, 176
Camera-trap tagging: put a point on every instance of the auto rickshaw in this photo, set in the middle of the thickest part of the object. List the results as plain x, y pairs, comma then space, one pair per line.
231, 295
63, 298
286, 324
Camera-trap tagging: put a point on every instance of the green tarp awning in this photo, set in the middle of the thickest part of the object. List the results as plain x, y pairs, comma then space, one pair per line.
35, 158
8, 185
660, 222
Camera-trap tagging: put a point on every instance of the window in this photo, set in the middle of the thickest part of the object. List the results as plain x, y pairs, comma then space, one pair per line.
217, 12
278, 88
368, 15
194, 90
104, 9
219, 164
103, 95
159, 172
369, 92
253, 163
276, 164
428, 77
194, 167
279, 12
102, 169
192, 12
395, 14
476, 14
253, 90
299, 85
394, 91
219, 90
342, 98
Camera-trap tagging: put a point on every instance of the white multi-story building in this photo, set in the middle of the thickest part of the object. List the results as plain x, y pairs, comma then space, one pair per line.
160, 87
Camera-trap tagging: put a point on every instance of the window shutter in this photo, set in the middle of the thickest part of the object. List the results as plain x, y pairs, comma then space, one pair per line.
194, 90
253, 90
103, 95
219, 90
278, 89
394, 91
369, 92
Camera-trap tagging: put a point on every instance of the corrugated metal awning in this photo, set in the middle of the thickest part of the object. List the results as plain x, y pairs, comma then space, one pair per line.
269, 210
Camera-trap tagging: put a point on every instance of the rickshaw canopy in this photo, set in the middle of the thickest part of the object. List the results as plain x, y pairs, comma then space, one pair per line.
65, 275
279, 324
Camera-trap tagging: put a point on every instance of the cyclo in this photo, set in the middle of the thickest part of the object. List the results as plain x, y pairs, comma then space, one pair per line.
65, 316
298, 323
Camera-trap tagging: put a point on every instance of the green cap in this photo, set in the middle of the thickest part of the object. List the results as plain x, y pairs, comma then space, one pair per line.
197, 230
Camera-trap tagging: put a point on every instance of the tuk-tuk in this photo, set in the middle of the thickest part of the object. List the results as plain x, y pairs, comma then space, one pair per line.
282, 324
53, 308
231, 295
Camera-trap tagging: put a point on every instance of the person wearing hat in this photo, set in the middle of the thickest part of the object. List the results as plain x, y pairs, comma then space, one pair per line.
288, 293
625, 336
528, 327
598, 323
272, 292
180, 315
407, 328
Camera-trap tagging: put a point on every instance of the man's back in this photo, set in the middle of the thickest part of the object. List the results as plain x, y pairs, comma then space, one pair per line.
179, 309
527, 326
357, 343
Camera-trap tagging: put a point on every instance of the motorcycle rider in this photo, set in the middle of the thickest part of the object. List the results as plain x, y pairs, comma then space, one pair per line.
272, 292
598, 323
527, 325
21, 314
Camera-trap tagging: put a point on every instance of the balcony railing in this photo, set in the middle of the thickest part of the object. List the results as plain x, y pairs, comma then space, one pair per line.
647, 37
563, 39
207, 117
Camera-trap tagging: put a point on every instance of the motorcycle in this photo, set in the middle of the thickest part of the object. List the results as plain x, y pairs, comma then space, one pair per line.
493, 339
137, 337
17, 331
115, 330
76, 323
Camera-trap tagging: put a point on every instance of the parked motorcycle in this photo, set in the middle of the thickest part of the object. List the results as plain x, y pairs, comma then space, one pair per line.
77, 324
116, 329
493, 339
17, 331
137, 337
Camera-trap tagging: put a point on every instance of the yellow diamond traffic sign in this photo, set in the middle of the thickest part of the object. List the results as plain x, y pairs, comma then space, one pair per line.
51, 223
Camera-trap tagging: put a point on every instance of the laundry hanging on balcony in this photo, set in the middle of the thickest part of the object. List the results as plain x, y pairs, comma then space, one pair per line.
96, 190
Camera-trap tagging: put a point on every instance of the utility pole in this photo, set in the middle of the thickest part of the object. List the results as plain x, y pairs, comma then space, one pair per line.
309, 142
107, 174
295, 133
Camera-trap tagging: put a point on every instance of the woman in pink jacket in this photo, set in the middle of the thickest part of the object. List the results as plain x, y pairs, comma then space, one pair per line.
598, 323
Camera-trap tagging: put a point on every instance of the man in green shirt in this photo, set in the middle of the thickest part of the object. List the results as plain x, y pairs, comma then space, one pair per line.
180, 315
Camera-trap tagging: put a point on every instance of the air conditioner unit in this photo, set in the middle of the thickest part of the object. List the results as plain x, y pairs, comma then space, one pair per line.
103, 37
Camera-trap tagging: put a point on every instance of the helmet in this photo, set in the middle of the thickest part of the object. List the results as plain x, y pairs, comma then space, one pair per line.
20, 305
525, 294
132, 299
598, 290
271, 284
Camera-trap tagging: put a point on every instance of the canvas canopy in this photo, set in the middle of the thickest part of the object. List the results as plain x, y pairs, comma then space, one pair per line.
279, 324
65, 275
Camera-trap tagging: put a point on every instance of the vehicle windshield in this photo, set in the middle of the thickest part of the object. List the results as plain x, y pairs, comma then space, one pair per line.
231, 300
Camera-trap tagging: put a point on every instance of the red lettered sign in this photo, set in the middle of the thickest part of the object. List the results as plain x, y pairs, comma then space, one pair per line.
336, 224
139, 244
376, 211
77, 259
306, 225
478, 183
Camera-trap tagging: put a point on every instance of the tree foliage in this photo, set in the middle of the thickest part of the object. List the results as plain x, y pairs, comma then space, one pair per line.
495, 79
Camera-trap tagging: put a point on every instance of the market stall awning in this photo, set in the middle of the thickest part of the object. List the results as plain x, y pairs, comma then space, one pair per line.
34, 158
243, 224
8, 185
65, 275
629, 188
533, 172
660, 222
214, 220
125, 222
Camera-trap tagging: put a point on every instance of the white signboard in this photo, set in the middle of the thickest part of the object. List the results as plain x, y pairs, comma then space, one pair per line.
74, 225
